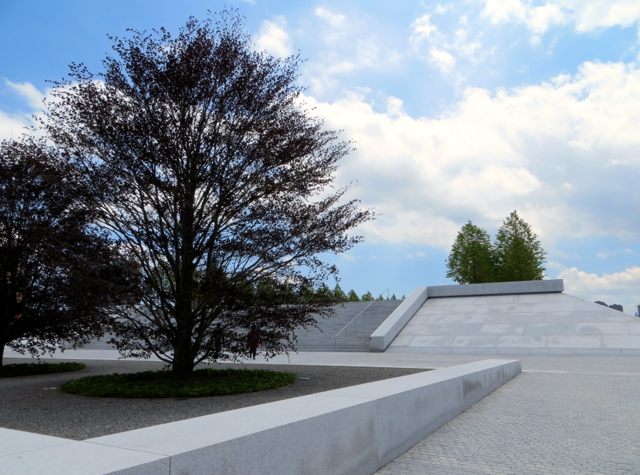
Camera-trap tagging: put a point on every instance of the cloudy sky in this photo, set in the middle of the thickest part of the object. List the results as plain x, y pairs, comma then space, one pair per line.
460, 111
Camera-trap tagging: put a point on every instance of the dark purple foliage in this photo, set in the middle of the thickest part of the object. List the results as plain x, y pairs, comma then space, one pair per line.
59, 274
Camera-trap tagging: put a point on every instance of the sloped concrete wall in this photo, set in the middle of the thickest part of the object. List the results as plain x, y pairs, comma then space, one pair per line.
391, 327
546, 324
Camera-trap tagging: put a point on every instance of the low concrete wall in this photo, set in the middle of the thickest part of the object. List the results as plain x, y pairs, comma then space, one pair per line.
498, 288
387, 331
352, 430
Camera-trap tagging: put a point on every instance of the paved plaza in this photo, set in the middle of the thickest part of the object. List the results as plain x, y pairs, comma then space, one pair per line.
563, 414
538, 423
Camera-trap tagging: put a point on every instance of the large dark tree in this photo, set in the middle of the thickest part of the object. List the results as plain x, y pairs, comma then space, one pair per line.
59, 276
217, 179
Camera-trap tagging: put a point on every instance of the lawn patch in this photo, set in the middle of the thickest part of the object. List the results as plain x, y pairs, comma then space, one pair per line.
160, 384
30, 369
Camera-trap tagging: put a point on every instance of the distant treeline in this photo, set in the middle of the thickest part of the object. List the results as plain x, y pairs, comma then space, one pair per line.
269, 291
338, 295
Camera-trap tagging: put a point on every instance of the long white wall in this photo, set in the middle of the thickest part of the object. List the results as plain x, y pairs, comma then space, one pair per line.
353, 430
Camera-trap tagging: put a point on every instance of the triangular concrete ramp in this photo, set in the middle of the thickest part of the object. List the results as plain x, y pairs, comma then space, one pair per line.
534, 323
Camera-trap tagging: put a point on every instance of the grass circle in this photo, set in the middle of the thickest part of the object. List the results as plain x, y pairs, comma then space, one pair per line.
161, 384
31, 369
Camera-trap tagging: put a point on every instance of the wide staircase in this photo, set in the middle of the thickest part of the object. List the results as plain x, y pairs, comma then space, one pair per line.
350, 329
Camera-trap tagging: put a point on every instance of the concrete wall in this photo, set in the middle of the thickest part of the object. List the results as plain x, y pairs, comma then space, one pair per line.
524, 324
498, 288
385, 333
352, 430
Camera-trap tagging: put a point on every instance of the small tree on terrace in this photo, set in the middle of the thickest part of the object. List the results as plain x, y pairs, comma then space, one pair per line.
518, 252
213, 172
471, 259
60, 277
367, 297
352, 296
339, 295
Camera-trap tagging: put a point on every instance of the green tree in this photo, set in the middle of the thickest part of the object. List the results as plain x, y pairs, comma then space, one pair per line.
393, 297
339, 295
324, 294
367, 297
353, 297
518, 253
471, 259
215, 176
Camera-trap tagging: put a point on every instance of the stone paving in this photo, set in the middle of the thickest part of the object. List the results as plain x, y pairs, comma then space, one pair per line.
562, 415
538, 423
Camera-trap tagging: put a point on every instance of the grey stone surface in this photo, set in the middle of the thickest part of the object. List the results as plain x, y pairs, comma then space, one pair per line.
337, 431
539, 423
26, 406
526, 287
352, 430
16, 441
38, 454
286, 437
551, 323
466, 308
353, 323
456, 290
387, 331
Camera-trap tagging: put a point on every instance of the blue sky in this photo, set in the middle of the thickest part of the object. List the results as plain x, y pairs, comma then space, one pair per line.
460, 111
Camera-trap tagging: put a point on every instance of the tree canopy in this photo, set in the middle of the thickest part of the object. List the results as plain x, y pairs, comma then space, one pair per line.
60, 274
518, 253
214, 176
367, 297
471, 259
515, 255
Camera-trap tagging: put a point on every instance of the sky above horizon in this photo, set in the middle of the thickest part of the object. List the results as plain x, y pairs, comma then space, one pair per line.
459, 111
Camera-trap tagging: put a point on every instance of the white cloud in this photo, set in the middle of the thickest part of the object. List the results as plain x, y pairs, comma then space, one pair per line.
604, 255
347, 46
445, 61
274, 38
422, 29
442, 48
561, 153
334, 19
394, 107
12, 127
621, 287
28, 91
593, 14
349, 50
584, 15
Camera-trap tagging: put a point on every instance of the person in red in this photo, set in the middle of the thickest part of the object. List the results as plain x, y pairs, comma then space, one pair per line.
252, 341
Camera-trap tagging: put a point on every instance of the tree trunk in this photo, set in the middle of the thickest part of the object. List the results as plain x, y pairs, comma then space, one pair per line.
1, 352
182, 360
